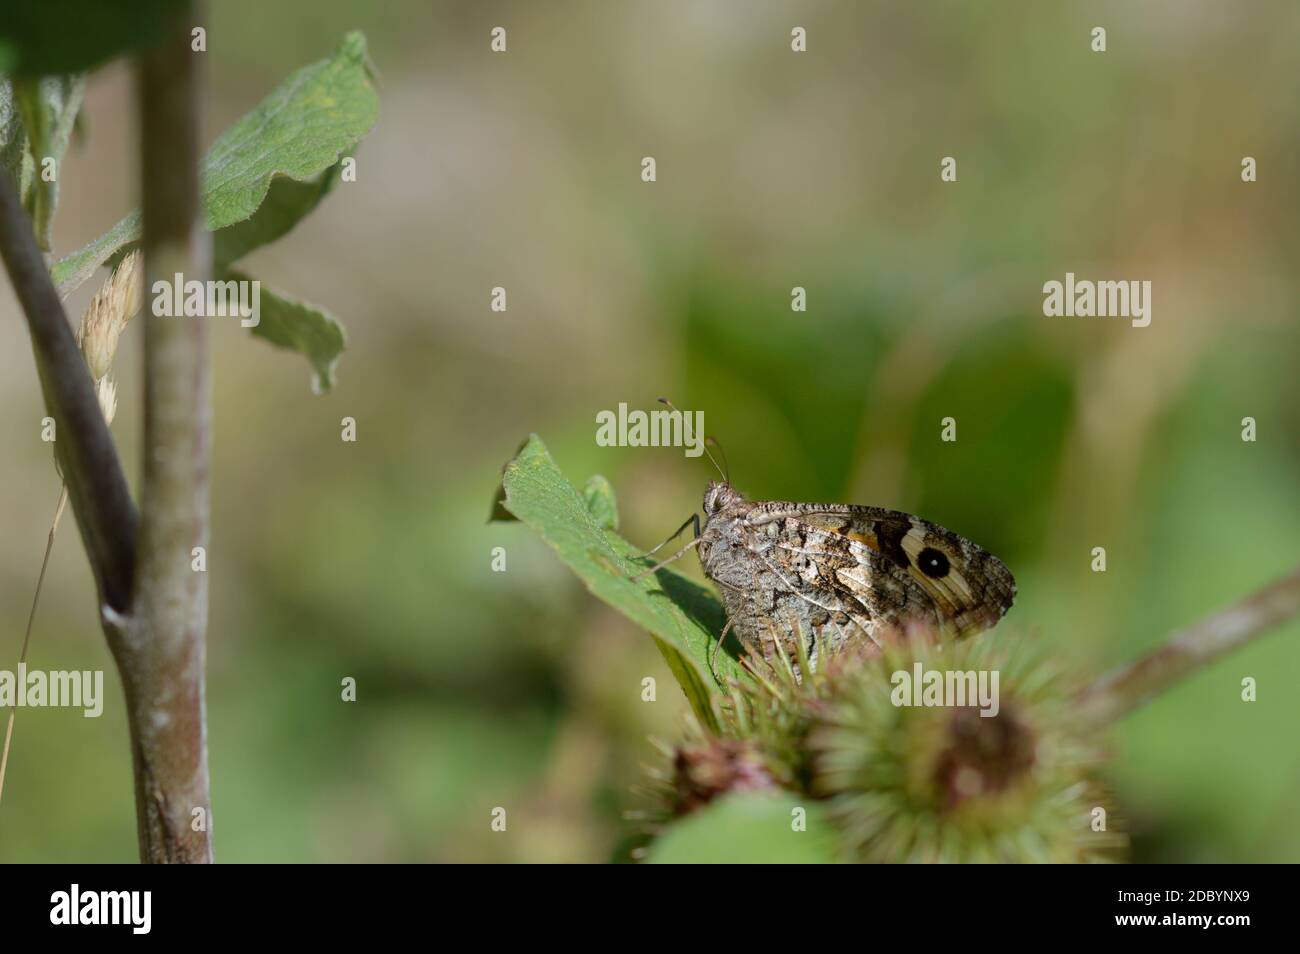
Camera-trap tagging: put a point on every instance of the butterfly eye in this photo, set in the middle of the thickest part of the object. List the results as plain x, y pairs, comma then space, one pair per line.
933, 563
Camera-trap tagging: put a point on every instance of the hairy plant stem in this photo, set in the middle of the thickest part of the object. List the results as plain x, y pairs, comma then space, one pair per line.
160, 643
153, 606
87, 458
1136, 683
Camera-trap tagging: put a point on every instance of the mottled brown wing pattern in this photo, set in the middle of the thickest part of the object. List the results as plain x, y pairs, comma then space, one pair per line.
828, 574
938, 573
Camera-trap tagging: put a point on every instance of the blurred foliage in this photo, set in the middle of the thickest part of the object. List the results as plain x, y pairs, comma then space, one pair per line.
49, 107
479, 689
264, 175
748, 828
67, 36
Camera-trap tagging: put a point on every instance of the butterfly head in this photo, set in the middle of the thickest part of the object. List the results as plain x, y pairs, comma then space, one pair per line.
718, 496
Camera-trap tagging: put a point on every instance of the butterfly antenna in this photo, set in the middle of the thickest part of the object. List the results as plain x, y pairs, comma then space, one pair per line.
723, 472
725, 469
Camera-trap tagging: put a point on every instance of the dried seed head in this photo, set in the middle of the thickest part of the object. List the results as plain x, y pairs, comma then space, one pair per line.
106, 391
712, 767
117, 300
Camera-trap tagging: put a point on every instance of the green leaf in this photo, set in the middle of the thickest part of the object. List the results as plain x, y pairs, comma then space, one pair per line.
49, 108
14, 158
499, 513
748, 828
71, 270
598, 492
684, 618
298, 133
311, 331
287, 203
70, 36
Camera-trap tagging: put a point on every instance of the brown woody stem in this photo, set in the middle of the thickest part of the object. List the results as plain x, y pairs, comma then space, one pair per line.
160, 644
87, 456
1132, 685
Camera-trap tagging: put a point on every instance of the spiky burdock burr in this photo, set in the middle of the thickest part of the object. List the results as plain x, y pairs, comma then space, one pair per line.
966, 751
923, 750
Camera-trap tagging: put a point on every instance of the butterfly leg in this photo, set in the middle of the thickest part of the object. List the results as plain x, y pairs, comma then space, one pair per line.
663, 563
692, 519
713, 650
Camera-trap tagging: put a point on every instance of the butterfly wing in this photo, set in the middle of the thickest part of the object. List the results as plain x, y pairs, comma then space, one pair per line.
906, 568
829, 575
778, 590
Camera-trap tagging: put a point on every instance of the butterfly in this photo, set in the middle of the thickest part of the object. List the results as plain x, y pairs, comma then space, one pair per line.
839, 575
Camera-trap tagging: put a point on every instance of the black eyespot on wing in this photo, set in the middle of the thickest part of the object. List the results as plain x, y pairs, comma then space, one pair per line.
889, 538
933, 563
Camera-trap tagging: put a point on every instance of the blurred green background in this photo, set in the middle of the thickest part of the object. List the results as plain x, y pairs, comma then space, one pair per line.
479, 689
